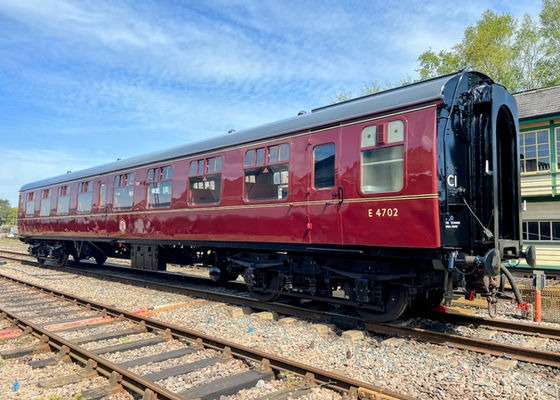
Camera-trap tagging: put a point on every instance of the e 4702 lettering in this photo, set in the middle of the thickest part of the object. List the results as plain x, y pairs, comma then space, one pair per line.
383, 212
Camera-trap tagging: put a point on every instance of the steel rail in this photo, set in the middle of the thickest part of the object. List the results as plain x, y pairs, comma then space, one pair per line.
321, 377
541, 357
542, 331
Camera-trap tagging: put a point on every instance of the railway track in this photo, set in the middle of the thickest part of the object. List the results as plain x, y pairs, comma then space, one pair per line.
428, 332
70, 340
424, 333
486, 346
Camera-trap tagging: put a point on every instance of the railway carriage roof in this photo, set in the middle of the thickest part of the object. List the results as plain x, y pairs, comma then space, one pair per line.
400, 97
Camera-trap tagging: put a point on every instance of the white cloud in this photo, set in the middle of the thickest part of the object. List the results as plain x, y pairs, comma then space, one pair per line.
24, 166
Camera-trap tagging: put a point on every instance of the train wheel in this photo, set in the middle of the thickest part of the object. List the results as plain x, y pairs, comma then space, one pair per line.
62, 260
268, 291
424, 305
226, 276
396, 302
100, 259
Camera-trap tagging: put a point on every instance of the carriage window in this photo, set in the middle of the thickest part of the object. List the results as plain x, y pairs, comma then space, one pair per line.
273, 154
159, 187
200, 169
63, 204
368, 136
30, 204
45, 203
85, 196
395, 131
260, 156
205, 181
250, 158
278, 153
123, 193
323, 166
214, 165
102, 200
193, 168
383, 157
268, 181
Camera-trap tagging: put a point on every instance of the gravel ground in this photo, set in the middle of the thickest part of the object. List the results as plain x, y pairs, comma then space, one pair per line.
422, 370
19, 381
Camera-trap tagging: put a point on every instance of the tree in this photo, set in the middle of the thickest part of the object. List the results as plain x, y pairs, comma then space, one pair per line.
530, 51
432, 64
549, 65
12, 216
4, 211
520, 55
486, 46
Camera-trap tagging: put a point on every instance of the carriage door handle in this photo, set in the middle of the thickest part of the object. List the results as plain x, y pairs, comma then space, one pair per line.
340, 194
487, 169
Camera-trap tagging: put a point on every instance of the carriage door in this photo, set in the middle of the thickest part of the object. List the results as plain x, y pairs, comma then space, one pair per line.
325, 195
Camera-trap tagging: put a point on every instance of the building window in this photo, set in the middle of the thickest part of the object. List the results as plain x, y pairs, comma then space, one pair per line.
159, 187
541, 230
267, 173
85, 196
535, 151
63, 203
30, 204
205, 181
382, 157
323, 166
45, 203
123, 194
555, 230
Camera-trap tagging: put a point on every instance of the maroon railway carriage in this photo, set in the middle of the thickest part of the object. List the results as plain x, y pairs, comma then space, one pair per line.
379, 202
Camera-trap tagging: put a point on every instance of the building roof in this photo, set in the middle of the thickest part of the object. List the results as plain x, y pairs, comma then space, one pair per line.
538, 102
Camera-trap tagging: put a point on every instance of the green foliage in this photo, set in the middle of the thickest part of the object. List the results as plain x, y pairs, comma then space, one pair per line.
488, 45
432, 64
548, 66
529, 50
518, 54
4, 211
12, 216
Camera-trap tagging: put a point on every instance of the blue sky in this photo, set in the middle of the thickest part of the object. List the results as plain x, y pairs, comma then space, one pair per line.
83, 83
